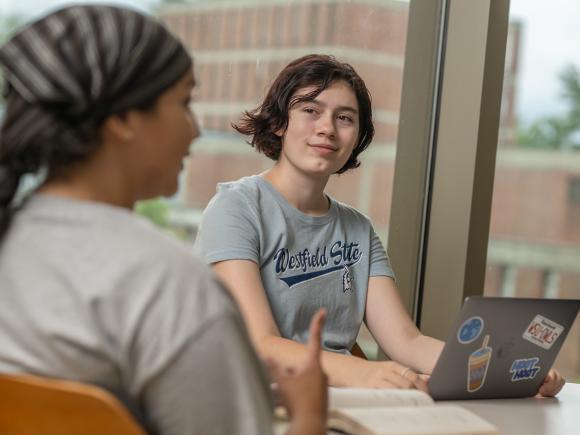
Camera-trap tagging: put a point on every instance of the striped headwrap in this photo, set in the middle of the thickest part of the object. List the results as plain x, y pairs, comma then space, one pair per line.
65, 73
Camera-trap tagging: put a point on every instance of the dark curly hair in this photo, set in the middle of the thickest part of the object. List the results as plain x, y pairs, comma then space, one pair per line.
317, 70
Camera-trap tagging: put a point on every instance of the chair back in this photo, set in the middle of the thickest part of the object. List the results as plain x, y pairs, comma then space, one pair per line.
31, 405
357, 351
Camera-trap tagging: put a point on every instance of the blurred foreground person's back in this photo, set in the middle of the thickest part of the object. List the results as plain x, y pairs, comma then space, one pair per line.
98, 98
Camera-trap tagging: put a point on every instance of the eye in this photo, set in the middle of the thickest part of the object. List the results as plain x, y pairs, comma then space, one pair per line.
310, 110
345, 118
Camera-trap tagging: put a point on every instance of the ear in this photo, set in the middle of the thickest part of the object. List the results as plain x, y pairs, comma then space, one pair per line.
118, 128
280, 132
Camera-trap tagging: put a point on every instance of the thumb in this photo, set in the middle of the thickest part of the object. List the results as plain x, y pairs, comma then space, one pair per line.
314, 339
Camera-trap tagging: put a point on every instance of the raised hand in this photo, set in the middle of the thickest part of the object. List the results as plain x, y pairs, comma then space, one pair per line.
304, 387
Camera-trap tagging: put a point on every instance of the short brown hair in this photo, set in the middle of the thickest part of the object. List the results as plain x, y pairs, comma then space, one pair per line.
317, 70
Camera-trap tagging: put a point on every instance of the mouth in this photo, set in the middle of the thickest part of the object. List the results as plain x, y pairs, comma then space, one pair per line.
324, 147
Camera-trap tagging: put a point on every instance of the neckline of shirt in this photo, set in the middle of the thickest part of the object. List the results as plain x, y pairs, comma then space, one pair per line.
283, 202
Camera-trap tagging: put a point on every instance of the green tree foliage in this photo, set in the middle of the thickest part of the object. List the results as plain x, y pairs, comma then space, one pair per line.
8, 24
558, 132
155, 210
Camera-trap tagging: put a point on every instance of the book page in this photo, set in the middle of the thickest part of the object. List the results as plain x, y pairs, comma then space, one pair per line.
371, 397
430, 420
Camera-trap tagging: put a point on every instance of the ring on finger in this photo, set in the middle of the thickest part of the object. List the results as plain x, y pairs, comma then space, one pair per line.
404, 371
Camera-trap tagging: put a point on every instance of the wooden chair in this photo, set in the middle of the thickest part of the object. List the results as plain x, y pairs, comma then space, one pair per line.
31, 405
357, 351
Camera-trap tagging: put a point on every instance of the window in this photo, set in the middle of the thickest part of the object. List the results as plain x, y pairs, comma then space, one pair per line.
534, 243
574, 191
244, 46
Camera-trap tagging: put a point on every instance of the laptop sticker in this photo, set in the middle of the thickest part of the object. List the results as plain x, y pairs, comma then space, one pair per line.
477, 366
470, 330
542, 332
525, 368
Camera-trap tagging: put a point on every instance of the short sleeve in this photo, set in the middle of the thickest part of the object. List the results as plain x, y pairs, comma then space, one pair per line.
379, 261
229, 229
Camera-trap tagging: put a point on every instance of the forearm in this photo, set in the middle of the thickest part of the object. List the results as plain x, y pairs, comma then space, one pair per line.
394, 330
420, 353
341, 369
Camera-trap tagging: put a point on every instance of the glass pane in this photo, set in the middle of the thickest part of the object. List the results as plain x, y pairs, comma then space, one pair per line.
534, 248
240, 46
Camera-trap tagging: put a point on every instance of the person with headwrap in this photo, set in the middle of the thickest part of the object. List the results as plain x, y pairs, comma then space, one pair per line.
98, 99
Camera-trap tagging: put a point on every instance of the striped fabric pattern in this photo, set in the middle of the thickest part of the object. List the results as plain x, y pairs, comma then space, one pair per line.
76, 66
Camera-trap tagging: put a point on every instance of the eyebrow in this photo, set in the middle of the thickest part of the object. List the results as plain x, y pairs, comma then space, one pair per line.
338, 109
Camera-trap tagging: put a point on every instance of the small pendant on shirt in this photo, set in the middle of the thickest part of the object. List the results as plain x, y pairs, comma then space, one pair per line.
346, 279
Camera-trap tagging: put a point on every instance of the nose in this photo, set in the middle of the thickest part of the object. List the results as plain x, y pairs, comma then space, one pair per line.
325, 125
195, 130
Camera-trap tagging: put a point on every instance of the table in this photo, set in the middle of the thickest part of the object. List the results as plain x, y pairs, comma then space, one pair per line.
531, 416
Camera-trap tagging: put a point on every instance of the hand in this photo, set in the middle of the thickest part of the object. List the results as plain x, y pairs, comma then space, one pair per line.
552, 385
389, 374
424, 377
304, 388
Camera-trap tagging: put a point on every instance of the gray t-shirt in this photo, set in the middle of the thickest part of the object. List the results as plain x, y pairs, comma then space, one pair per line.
93, 293
305, 262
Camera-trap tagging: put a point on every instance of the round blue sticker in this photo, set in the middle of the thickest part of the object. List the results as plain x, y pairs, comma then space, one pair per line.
470, 330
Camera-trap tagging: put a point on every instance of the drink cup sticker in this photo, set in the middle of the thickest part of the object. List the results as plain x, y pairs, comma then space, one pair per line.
525, 368
542, 332
470, 330
477, 366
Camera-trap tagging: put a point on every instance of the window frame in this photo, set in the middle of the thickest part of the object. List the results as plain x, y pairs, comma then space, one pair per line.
446, 151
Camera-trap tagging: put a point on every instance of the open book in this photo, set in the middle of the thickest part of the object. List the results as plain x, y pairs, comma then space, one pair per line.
361, 411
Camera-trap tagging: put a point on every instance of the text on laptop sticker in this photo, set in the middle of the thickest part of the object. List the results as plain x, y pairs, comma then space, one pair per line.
542, 332
477, 366
525, 368
470, 330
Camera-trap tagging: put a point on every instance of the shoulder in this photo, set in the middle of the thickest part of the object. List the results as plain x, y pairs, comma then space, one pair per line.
231, 225
118, 239
235, 198
156, 252
351, 214
166, 272
246, 187
110, 252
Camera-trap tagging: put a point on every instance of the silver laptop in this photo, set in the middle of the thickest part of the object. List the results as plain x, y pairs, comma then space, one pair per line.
501, 347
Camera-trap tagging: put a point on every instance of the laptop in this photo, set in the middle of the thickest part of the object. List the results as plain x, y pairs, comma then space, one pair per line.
501, 347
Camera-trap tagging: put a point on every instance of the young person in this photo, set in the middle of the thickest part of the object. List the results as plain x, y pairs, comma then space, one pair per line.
285, 248
99, 98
